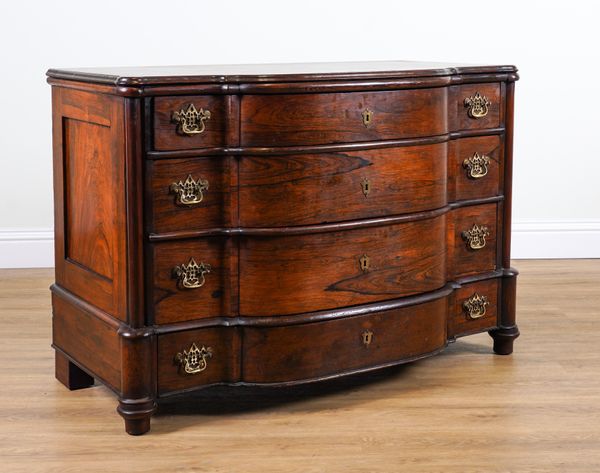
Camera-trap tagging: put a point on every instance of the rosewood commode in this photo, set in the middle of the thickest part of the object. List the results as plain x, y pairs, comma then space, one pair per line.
276, 224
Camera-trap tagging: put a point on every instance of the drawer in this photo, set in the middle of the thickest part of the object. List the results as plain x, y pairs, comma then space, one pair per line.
474, 308
477, 106
303, 273
196, 358
475, 166
473, 236
309, 119
309, 351
187, 194
188, 122
318, 188
189, 279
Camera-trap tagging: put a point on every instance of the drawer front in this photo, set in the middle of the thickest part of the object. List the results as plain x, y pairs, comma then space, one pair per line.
295, 274
473, 235
478, 106
475, 167
475, 308
196, 358
320, 349
309, 119
190, 279
187, 194
318, 188
188, 122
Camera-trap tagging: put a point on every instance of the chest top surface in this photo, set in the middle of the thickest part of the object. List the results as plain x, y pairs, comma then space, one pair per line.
223, 73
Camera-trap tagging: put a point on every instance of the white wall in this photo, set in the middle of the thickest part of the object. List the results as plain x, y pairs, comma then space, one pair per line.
554, 44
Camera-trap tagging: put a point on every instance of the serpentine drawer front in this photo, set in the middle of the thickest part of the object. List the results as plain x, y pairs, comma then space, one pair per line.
276, 224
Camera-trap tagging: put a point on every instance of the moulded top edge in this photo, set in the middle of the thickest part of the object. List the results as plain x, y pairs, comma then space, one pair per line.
256, 73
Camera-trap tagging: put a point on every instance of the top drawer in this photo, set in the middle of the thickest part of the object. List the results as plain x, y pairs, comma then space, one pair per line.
310, 119
189, 122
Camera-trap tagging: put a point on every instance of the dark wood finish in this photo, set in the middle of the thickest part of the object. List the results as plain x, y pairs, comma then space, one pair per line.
321, 349
69, 374
306, 119
463, 260
89, 218
169, 301
463, 187
166, 215
320, 188
222, 366
165, 131
91, 341
283, 224
459, 323
457, 105
313, 272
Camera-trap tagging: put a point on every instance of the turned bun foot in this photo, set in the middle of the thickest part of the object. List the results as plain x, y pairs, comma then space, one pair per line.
504, 337
137, 414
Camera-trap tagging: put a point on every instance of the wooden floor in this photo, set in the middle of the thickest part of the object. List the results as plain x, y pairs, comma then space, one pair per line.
465, 410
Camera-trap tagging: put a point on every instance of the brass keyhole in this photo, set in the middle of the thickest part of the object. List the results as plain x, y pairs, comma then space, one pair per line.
365, 263
367, 337
367, 116
366, 186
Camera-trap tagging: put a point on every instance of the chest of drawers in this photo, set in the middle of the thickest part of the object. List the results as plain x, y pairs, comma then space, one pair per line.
276, 224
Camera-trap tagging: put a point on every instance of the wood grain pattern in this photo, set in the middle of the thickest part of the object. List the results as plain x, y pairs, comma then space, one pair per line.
165, 215
319, 349
89, 173
173, 304
165, 131
460, 185
320, 188
462, 260
458, 110
538, 403
459, 323
312, 272
305, 119
222, 366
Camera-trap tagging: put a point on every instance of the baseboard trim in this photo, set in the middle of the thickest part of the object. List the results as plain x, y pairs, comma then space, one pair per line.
559, 239
26, 248
34, 247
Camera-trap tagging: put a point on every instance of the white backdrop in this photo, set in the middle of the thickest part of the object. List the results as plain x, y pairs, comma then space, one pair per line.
554, 44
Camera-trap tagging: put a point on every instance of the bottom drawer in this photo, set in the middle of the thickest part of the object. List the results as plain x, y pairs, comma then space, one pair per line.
320, 349
197, 357
475, 308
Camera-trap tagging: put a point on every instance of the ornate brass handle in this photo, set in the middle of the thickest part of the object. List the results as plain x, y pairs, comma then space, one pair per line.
190, 191
475, 237
190, 121
194, 360
476, 166
191, 275
475, 306
477, 105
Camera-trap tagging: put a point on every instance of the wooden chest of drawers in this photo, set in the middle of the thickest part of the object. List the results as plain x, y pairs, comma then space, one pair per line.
276, 224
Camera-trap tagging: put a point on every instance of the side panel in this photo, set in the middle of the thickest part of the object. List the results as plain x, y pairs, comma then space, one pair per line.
89, 183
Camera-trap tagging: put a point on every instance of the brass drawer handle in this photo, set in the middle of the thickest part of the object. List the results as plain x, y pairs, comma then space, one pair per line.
477, 105
475, 237
190, 121
475, 306
194, 360
191, 275
476, 166
190, 191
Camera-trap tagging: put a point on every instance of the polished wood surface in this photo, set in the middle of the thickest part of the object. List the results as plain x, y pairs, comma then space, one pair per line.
463, 410
309, 119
